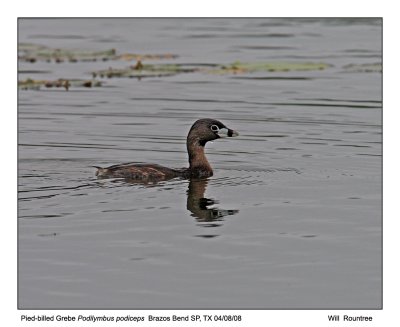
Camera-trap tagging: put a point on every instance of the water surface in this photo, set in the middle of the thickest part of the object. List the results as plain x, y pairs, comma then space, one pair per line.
291, 217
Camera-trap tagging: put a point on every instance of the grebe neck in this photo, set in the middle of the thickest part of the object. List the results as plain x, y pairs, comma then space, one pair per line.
198, 163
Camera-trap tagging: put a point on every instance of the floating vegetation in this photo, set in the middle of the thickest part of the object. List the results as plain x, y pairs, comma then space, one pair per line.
364, 68
159, 70
30, 52
240, 67
31, 84
141, 70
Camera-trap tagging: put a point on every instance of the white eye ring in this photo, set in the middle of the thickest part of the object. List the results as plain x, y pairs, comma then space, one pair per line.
214, 128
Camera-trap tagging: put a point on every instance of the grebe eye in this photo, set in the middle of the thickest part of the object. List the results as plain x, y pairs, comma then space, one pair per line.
214, 128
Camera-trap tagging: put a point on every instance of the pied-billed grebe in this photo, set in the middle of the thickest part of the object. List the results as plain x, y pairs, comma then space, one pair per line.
202, 131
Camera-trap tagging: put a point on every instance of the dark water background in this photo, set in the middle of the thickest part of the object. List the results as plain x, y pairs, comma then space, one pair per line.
294, 211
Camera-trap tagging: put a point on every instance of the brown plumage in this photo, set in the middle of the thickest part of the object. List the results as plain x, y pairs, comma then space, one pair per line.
202, 131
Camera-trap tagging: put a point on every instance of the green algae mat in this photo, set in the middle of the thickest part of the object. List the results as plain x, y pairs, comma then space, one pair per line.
141, 67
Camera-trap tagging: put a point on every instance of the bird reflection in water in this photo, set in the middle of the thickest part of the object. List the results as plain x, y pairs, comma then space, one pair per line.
200, 206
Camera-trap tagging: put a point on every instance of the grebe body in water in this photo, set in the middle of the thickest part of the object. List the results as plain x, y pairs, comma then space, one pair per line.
201, 132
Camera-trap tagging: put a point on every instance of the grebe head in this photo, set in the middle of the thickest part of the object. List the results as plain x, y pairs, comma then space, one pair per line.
204, 130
